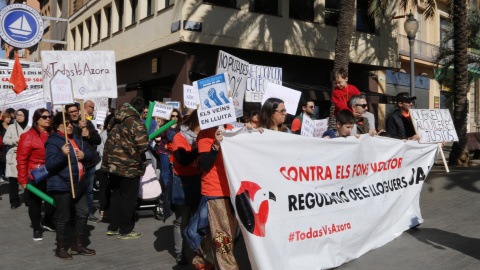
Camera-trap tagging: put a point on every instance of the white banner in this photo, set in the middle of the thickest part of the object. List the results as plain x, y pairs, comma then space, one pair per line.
289, 96
237, 70
93, 73
317, 211
320, 127
433, 126
308, 126
257, 79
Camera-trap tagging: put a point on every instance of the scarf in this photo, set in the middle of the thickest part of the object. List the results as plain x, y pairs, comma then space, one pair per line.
25, 121
189, 135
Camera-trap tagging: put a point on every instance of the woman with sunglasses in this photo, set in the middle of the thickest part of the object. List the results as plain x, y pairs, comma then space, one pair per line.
273, 114
11, 138
31, 155
59, 185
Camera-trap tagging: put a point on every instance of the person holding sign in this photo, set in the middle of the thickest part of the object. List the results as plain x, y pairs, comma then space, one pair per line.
399, 123
273, 114
308, 109
31, 155
345, 122
58, 184
343, 91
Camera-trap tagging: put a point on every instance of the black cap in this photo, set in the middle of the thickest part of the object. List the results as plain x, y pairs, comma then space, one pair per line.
404, 97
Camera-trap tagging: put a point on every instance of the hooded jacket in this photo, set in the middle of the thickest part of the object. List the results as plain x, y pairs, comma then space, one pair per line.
127, 142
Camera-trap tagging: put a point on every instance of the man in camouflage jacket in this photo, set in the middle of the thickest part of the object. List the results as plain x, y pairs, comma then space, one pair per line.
124, 160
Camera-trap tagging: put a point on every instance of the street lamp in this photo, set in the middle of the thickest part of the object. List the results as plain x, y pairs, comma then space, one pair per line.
411, 28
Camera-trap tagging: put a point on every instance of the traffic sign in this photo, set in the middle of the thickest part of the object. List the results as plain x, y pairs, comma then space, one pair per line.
21, 26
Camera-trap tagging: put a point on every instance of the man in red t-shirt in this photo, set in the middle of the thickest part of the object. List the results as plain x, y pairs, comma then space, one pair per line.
343, 91
308, 108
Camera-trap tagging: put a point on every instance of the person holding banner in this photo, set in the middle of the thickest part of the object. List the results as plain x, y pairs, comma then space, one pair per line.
345, 122
59, 185
273, 114
186, 180
308, 109
31, 155
399, 123
11, 139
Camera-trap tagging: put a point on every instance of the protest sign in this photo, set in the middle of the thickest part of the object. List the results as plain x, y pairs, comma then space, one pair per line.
61, 89
257, 79
175, 104
237, 70
308, 126
93, 73
320, 127
215, 106
237, 124
304, 205
433, 126
190, 97
162, 110
289, 96
31, 98
101, 105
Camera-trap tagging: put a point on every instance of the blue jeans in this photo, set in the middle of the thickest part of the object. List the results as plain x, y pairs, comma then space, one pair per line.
90, 176
165, 168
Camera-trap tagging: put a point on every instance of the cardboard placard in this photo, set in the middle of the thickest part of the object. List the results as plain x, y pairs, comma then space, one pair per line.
190, 97
257, 79
320, 127
162, 110
61, 89
308, 126
433, 126
289, 96
237, 70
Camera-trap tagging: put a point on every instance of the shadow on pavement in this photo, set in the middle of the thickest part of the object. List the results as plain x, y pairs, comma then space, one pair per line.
438, 238
464, 178
164, 240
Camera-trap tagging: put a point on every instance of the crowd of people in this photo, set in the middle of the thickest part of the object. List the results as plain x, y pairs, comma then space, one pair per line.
72, 153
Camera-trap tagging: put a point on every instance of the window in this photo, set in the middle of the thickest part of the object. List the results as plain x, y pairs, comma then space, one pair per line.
332, 12
301, 10
134, 10
108, 15
99, 24
119, 5
265, 6
73, 37
169, 3
365, 23
149, 7
88, 26
223, 3
59, 8
445, 26
21, 53
80, 34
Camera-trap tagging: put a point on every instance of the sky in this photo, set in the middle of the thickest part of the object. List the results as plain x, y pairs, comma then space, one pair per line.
2, 52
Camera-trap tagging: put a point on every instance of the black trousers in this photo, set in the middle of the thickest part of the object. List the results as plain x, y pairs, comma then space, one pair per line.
123, 203
104, 189
13, 190
35, 208
65, 202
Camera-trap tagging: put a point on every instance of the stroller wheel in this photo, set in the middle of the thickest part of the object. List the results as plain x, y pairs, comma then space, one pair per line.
158, 211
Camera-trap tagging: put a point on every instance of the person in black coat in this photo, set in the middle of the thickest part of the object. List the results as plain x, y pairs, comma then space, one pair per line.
59, 185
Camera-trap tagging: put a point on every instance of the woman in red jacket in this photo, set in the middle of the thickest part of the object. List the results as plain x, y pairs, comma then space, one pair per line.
31, 155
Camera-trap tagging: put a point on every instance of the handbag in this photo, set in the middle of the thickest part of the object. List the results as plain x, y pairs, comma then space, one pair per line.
39, 174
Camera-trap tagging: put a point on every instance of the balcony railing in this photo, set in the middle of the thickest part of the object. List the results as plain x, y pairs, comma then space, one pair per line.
421, 50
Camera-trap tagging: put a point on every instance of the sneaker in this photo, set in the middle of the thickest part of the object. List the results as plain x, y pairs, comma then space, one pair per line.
48, 227
132, 235
92, 218
37, 235
110, 233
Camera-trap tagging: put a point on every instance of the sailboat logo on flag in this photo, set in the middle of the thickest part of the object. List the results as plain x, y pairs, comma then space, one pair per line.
21, 26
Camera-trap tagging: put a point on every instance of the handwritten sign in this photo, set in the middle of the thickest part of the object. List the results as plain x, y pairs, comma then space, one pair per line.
237, 70
320, 127
257, 79
215, 106
308, 126
93, 73
61, 89
433, 126
190, 97
101, 105
162, 110
289, 96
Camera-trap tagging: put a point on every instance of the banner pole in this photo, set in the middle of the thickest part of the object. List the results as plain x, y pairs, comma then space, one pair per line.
68, 156
443, 157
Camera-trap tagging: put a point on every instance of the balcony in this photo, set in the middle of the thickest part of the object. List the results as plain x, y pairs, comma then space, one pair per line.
421, 50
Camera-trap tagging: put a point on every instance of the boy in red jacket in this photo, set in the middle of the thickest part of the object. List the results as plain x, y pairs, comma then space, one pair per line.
343, 91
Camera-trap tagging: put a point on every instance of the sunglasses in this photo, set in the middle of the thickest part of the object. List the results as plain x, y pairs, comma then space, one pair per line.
362, 105
408, 101
70, 112
67, 123
281, 111
174, 115
311, 107
45, 117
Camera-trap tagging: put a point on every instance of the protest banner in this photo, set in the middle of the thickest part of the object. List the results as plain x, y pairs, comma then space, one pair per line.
190, 97
433, 126
237, 70
175, 104
308, 126
289, 96
320, 127
318, 211
93, 73
215, 106
162, 110
31, 98
257, 79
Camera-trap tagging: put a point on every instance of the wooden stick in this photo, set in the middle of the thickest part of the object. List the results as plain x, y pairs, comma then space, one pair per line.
443, 157
68, 156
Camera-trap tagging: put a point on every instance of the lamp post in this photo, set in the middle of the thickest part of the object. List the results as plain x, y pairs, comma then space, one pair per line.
411, 28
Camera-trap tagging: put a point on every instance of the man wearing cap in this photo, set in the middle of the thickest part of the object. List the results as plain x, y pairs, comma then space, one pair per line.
399, 123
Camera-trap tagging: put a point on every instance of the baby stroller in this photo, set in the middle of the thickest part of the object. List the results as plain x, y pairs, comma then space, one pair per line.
149, 193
